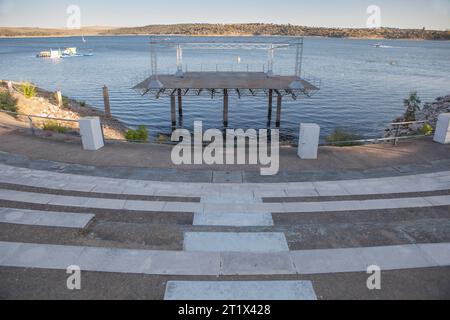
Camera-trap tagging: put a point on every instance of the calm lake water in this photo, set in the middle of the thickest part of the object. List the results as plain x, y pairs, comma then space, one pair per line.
362, 86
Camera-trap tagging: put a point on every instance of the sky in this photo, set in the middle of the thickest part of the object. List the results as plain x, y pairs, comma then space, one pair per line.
432, 14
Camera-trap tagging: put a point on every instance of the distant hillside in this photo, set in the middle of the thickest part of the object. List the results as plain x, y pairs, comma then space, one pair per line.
283, 30
235, 29
40, 32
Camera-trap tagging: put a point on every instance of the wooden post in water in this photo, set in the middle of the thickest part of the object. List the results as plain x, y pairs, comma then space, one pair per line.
269, 111
180, 103
173, 110
10, 87
106, 102
279, 101
59, 99
225, 108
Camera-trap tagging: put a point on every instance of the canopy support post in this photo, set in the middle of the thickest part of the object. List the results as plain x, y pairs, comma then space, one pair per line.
173, 110
270, 106
180, 103
225, 108
179, 72
279, 102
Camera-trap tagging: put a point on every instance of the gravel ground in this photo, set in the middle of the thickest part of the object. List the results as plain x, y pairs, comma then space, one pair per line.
19, 283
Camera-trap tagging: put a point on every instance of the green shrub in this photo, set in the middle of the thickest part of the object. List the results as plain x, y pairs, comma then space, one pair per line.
342, 138
426, 129
8, 102
412, 105
55, 127
28, 90
141, 134
65, 102
82, 104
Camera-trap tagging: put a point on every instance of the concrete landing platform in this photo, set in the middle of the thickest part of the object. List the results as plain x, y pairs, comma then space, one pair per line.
233, 219
240, 290
235, 242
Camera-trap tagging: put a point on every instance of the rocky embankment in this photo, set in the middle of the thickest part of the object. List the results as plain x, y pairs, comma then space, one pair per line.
45, 107
429, 114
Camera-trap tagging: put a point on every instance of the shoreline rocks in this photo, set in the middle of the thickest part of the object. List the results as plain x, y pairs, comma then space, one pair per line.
44, 105
429, 114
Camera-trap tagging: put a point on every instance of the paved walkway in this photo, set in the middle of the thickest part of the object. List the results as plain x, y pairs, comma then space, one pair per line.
152, 162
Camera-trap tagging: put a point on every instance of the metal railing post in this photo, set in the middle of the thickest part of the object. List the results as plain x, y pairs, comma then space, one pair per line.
397, 131
30, 121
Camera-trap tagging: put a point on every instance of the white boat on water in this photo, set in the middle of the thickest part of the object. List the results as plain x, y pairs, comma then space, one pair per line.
71, 51
51, 54
68, 52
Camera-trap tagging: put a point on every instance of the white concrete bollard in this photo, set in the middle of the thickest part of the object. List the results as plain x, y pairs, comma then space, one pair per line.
308, 143
91, 133
442, 134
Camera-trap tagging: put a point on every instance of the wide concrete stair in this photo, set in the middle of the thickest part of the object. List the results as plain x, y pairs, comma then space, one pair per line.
51, 220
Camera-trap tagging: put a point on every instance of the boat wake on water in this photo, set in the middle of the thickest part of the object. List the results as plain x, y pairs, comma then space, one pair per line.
381, 45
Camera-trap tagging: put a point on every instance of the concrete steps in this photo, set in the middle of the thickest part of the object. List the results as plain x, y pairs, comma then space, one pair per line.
240, 290
258, 208
402, 184
45, 218
254, 247
303, 262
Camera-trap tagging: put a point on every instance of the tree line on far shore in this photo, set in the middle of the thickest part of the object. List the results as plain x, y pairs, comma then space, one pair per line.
238, 29
282, 30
